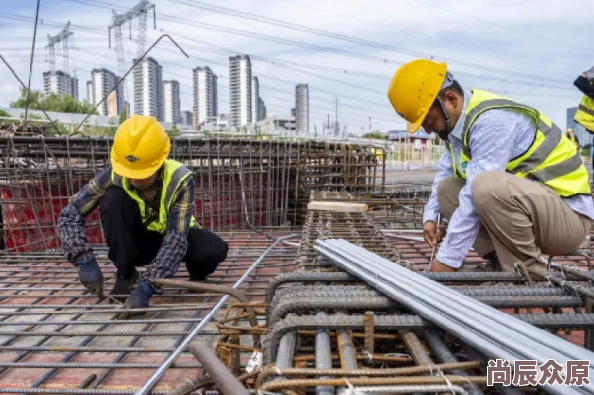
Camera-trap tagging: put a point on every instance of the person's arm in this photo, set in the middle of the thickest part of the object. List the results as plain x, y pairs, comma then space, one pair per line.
585, 86
492, 140
445, 170
71, 219
175, 242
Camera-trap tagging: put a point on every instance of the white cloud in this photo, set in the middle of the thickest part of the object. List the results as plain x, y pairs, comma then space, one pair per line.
543, 39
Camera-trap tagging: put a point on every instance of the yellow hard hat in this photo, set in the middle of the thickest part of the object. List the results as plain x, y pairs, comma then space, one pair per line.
140, 147
414, 88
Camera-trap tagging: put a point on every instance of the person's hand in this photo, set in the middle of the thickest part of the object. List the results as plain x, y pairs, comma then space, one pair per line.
432, 233
139, 298
437, 266
90, 276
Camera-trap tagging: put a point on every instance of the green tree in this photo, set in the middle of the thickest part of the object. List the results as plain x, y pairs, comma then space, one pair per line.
122, 118
174, 131
375, 135
53, 102
4, 113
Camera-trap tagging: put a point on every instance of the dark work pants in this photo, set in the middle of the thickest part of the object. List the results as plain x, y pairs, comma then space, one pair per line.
131, 244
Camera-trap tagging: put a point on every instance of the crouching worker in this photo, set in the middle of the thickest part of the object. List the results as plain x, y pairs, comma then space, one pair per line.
510, 182
145, 204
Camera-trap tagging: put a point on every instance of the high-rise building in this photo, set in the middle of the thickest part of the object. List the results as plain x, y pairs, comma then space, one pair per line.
148, 86
293, 112
186, 117
171, 102
74, 88
205, 94
302, 108
240, 90
90, 91
102, 82
261, 109
60, 83
255, 99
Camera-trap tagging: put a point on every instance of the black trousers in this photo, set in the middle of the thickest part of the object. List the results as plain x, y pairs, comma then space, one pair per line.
131, 244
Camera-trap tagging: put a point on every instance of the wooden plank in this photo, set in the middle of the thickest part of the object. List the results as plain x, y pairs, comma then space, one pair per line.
337, 206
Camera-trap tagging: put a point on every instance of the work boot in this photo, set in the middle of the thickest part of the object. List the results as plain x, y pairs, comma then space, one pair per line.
493, 264
123, 287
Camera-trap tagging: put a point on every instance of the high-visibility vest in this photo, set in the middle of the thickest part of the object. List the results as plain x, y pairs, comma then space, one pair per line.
585, 113
552, 159
174, 173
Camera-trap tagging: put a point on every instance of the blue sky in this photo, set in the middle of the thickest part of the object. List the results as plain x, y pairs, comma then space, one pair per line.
528, 50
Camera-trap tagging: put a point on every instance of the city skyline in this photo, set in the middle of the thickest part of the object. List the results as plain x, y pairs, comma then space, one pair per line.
330, 60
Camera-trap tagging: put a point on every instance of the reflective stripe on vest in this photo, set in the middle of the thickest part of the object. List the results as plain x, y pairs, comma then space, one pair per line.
174, 173
552, 158
585, 112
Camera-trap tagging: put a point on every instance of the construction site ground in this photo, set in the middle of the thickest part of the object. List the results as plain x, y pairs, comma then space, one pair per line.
314, 323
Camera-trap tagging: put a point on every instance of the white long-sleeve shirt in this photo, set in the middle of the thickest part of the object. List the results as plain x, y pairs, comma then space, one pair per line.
495, 137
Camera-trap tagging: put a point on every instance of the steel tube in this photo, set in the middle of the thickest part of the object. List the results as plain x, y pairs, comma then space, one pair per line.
465, 307
323, 356
467, 323
148, 385
225, 381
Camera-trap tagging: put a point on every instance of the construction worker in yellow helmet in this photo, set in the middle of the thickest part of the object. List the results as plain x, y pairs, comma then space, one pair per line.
146, 204
511, 184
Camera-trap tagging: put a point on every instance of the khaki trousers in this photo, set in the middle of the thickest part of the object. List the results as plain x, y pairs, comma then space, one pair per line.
520, 219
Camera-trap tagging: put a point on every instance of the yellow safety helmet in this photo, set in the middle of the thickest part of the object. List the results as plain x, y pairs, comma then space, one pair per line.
414, 88
140, 147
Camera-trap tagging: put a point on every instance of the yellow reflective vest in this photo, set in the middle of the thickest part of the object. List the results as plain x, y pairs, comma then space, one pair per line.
585, 113
552, 159
174, 173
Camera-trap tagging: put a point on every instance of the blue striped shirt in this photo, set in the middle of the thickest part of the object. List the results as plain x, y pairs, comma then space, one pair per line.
497, 136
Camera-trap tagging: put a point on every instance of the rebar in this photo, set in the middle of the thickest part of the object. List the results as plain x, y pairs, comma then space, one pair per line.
225, 381
157, 375
460, 315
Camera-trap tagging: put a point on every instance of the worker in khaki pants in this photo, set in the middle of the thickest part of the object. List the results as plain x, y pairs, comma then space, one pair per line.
511, 183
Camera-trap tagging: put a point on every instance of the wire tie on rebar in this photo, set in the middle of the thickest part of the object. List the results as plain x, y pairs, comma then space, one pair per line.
369, 356
448, 382
348, 384
576, 289
115, 300
191, 383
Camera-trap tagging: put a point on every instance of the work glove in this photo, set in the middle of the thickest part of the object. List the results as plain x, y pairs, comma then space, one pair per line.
90, 276
139, 298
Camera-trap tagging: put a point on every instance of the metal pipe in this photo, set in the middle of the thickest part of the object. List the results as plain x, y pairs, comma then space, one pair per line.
225, 381
148, 385
466, 307
323, 356
468, 318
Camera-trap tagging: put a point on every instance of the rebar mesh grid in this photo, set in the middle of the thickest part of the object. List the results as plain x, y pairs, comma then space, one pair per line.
38, 175
54, 335
324, 326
